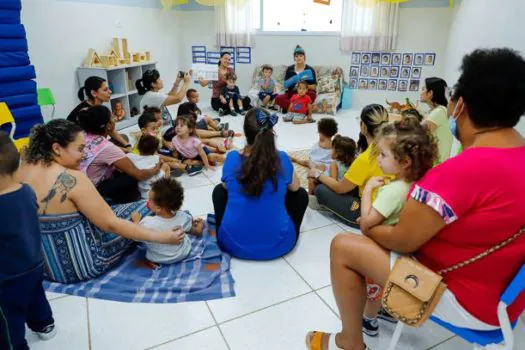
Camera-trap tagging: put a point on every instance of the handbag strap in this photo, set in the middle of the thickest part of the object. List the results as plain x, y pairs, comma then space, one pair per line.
484, 254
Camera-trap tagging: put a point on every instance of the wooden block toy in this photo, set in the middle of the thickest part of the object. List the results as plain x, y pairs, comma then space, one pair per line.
92, 59
125, 52
116, 47
105, 62
142, 57
148, 56
136, 57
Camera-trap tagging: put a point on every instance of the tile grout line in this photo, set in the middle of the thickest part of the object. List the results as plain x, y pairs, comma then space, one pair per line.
181, 337
217, 325
264, 308
441, 343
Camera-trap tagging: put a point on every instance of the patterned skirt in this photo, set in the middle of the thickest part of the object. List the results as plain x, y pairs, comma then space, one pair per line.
76, 250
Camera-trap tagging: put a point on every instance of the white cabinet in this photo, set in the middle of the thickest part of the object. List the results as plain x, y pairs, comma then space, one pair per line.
121, 80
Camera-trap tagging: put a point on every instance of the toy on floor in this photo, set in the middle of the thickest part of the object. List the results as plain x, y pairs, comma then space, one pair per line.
119, 112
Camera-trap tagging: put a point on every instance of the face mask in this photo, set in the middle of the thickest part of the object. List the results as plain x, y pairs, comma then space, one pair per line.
453, 125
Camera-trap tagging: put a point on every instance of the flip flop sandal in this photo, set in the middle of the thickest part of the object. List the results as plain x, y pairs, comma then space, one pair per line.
314, 341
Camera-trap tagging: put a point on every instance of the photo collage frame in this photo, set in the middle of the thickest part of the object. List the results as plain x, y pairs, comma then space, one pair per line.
388, 71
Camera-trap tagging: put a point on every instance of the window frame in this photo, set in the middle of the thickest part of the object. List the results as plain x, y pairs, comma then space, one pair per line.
261, 32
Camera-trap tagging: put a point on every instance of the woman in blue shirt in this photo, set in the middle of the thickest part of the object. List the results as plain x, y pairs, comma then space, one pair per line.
260, 205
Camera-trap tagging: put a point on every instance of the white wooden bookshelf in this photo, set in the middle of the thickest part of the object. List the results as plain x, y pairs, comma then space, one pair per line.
122, 81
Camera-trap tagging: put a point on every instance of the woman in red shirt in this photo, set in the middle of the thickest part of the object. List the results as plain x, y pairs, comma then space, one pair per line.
461, 208
217, 85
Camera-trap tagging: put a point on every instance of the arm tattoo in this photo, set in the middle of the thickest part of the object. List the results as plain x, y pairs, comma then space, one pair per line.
64, 183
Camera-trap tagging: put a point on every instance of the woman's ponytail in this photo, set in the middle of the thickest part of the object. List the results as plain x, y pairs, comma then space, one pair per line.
81, 95
140, 87
263, 162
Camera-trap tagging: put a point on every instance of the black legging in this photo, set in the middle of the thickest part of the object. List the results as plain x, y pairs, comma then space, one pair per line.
295, 203
119, 189
216, 104
346, 206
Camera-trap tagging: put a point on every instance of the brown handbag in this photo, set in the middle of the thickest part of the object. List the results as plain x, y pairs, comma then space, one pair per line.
413, 291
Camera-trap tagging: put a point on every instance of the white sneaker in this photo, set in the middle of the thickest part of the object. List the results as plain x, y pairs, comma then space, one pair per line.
47, 333
313, 203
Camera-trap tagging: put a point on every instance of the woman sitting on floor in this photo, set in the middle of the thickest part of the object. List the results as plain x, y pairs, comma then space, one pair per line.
77, 224
342, 197
259, 207
460, 209
95, 92
103, 157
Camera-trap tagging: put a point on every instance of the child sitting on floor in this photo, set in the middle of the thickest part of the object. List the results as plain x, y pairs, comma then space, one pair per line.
267, 93
188, 146
407, 151
343, 155
22, 296
165, 199
300, 110
149, 126
231, 96
203, 122
320, 155
157, 113
148, 146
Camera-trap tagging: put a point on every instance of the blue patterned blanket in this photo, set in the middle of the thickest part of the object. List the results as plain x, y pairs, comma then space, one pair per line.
203, 275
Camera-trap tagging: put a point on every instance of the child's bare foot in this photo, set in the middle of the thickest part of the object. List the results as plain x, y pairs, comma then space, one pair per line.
197, 227
135, 217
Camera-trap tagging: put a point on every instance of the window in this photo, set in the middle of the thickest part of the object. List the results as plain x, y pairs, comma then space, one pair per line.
301, 15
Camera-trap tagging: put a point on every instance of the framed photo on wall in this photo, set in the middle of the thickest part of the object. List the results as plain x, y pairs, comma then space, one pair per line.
353, 84
354, 71
392, 85
365, 71
414, 85
396, 58
363, 84
366, 58
382, 84
405, 72
384, 72
402, 85
376, 57
385, 58
372, 84
430, 59
374, 71
416, 72
356, 58
394, 72
407, 59
419, 59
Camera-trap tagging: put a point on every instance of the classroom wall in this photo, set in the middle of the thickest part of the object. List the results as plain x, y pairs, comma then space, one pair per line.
484, 24
61, 32
420, 30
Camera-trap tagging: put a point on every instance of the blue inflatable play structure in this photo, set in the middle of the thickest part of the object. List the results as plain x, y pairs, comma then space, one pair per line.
17, 86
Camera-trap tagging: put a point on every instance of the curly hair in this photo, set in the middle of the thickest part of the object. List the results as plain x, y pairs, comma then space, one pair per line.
412, 112
40, 148
345, 149
263, 162
168, 194
492, 84
411, 140
148, 145
327, 127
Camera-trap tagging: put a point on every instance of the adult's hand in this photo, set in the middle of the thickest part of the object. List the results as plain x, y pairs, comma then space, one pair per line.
175, 236
187, 77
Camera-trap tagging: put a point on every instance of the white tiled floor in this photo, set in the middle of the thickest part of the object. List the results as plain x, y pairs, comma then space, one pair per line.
277, 302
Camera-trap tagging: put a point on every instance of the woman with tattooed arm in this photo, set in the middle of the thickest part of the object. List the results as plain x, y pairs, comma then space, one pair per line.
82, 236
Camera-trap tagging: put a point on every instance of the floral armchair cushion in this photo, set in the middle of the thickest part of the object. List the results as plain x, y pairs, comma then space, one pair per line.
330, 82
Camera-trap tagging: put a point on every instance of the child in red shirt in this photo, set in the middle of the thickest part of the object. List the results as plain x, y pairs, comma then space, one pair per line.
300, 110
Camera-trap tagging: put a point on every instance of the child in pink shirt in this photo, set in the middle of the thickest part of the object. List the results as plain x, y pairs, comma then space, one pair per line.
189, 147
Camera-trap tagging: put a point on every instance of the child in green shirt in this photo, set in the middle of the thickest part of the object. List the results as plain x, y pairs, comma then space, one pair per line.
407, 151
